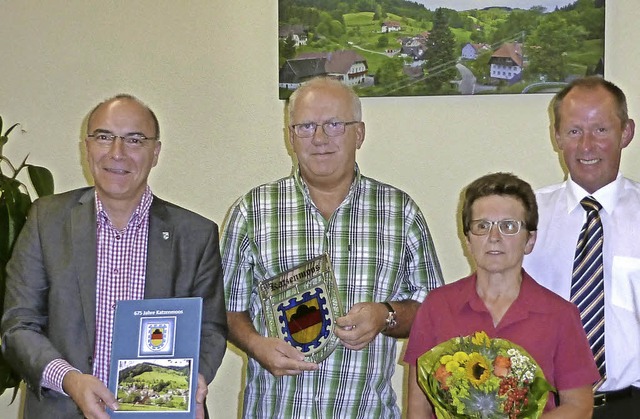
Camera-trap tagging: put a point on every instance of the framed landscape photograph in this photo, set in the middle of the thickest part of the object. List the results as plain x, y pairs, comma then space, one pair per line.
440, 47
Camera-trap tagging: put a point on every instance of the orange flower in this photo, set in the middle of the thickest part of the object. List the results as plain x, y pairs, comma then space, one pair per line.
441, 375
501, 366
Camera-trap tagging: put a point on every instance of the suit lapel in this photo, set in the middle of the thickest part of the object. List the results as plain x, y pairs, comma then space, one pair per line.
83, 233
159, 280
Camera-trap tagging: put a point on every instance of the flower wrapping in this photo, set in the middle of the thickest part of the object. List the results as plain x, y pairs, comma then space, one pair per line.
478, 377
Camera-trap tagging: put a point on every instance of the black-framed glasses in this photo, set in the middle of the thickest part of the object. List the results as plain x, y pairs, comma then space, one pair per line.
131, 140
330, 128
506, 227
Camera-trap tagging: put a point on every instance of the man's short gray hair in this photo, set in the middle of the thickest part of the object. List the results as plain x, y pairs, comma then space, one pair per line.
316, 82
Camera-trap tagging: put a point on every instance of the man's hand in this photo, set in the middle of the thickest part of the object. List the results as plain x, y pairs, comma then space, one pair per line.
361, 324
201, 395
90, 394
280, 358
275, 355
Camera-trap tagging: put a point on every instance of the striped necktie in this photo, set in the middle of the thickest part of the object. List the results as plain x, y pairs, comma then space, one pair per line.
587, 284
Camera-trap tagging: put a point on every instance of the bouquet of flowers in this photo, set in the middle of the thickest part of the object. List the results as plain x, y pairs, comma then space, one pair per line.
478, 377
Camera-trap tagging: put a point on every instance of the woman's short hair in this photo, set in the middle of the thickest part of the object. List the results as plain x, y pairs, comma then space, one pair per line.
503, 184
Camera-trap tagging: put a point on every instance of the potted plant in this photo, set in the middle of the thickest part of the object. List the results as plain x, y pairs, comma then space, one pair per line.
15, 201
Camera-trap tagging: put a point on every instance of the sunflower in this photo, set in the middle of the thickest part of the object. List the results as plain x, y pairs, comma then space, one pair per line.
477, 369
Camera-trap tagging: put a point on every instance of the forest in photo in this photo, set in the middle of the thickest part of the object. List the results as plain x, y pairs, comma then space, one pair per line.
401, 48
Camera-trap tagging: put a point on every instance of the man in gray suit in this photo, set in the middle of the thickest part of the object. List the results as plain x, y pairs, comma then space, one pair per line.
83, 250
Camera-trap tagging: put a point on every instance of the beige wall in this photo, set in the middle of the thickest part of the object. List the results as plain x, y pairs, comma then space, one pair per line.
208, 69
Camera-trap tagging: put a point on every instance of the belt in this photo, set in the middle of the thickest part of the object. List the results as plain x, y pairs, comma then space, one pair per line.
601, 399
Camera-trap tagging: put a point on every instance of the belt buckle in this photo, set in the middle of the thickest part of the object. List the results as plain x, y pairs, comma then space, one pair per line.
599, 399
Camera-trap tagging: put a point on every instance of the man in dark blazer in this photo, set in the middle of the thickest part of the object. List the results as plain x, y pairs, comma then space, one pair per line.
66, 270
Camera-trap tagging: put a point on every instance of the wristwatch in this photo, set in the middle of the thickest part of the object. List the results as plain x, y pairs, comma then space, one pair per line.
392, 318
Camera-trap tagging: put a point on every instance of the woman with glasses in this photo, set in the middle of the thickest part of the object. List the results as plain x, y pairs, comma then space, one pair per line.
499, 221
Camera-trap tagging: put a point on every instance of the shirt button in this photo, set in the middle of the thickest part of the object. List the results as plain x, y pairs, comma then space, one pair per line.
115, 271
117, 237
113, 306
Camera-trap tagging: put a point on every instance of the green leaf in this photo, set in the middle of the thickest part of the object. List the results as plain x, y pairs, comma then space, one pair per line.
14, 206
4, 138
8, 377
3, 277
6, 134
42, 179
5, 242
11, 187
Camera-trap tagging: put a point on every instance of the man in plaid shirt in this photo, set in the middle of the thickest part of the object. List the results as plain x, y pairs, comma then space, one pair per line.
381, 251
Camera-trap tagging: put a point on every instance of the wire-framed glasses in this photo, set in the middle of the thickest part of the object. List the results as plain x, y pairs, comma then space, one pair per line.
130, 140
506, 227
330, 128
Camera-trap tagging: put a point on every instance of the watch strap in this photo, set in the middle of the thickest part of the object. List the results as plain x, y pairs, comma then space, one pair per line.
392, 318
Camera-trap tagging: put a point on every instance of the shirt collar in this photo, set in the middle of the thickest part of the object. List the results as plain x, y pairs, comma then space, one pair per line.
305, 189
607, 196
526, 301
139, 214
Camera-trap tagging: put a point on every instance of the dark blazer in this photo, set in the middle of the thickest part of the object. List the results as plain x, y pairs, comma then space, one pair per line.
50, 302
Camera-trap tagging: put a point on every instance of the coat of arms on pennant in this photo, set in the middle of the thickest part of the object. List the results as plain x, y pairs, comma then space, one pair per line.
300, 306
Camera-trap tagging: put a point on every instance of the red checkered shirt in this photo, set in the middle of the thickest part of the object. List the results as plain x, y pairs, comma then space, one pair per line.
120, 275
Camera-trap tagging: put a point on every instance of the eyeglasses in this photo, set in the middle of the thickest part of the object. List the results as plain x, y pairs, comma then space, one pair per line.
130, 141
506, 227
331, 128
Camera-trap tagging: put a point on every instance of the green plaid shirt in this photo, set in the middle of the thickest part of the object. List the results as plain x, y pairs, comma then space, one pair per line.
381, 250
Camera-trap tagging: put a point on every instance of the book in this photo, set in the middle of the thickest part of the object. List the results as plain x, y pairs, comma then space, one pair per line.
300, 307
154, 357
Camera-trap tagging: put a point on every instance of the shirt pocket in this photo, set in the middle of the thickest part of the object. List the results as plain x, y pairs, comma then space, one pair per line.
625, 285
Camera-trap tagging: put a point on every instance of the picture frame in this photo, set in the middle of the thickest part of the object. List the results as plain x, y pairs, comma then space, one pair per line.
440, 47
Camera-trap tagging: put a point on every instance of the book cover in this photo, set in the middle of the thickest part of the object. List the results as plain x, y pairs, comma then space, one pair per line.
300, 306
154, 357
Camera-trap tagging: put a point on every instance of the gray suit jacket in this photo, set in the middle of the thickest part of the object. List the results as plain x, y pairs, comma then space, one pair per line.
50, 302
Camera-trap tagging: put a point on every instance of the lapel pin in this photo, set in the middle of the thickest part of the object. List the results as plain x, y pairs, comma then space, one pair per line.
165, 235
